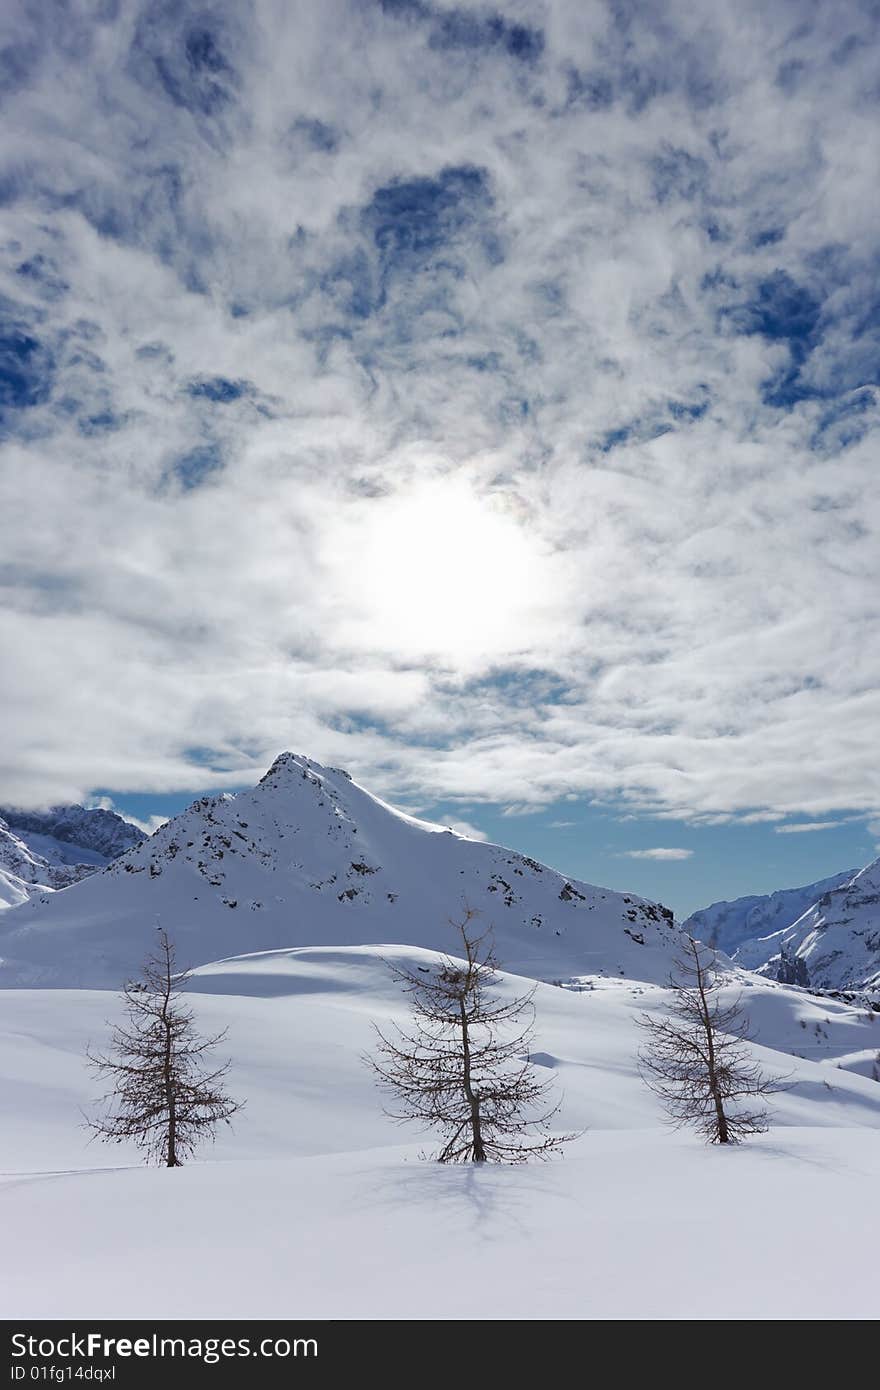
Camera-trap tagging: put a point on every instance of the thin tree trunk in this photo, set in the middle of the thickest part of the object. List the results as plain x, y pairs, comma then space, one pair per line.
479, 1152
720, 1117
170, 1098
172, 1109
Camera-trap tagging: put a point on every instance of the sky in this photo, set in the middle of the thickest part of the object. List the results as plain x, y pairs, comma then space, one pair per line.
483, 398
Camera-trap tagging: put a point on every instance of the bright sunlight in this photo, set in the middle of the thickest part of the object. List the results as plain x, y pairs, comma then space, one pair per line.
441, 570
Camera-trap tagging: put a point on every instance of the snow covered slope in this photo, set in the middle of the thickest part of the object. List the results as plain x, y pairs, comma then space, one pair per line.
739, 927
837, 940
322, 1207
309, 857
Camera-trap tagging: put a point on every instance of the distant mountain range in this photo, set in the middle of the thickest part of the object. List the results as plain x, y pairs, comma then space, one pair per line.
41, 851
835, 944
740, 927
310, 858
825, 935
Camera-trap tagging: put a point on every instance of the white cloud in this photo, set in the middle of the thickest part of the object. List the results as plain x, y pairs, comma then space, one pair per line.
470, 832
508, 516
148, 824
657, 854
805, 827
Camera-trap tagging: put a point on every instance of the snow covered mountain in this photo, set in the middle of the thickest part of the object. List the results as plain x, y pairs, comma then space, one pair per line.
23, 873
306, 858
835, 944
739, 927
41, 851
825, 935
74, 834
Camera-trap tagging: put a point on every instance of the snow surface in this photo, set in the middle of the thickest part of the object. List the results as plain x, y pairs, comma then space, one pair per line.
316, 1204
629, 1227
14, 890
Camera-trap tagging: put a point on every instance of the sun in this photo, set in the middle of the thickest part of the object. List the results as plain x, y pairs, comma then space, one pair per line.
439, 569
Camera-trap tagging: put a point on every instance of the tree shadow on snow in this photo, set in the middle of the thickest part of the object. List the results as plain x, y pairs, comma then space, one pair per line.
487, 1198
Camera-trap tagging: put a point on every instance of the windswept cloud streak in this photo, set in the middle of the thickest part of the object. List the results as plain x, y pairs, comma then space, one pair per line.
806, 827
670, 854
470, 832
483, 398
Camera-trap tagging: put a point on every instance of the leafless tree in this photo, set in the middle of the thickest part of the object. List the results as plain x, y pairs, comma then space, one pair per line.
697, 1059
164, 1095
462, 1066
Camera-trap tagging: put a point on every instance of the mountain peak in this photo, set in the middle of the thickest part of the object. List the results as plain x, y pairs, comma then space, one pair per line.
310, 857
299, 765
287, 762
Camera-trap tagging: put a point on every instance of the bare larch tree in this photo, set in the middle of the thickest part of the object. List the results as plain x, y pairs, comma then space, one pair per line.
165, 1096
697, 1059
462, 1066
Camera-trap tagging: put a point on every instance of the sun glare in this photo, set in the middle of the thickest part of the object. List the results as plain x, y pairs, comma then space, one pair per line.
441, 570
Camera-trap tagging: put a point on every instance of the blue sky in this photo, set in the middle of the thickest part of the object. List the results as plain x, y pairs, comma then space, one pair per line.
481, 397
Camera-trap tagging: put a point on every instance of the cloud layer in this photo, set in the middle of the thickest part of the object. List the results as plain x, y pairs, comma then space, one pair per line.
486, 398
